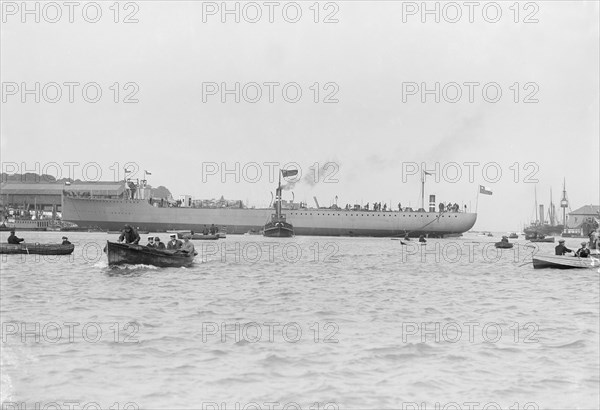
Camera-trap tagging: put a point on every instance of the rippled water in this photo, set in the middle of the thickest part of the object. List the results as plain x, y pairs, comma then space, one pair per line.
365, 323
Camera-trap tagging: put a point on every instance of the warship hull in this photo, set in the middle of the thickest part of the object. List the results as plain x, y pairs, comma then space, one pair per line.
111, 214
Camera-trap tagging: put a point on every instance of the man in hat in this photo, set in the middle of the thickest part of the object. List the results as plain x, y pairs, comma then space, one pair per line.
561, 249
174, 243
158, 244
188, 246
129, 235
583, 252
13, 238
150, 243
65, 241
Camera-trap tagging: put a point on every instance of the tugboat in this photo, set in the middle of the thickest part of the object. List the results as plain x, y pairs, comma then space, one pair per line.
278, 227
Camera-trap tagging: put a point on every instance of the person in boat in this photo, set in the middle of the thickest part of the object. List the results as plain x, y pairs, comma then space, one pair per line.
150, 243
213, 229
561, 249
158, 244
188, 246
129, 235
192, 233
594, 239
205, 230
65, 241
422, 239
583, 252
174, 243
504, 239
12, 239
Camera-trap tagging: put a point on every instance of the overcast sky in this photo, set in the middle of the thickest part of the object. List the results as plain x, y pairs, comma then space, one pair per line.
371, 134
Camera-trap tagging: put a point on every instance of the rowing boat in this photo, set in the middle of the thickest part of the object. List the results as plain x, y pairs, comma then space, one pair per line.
36, 249
503, 245
130, 254
198, 236
545, 239
564, 262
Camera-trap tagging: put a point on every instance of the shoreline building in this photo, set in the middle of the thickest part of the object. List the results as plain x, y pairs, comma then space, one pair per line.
582, 221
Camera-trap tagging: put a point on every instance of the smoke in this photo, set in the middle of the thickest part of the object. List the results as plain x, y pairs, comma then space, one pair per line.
315, 174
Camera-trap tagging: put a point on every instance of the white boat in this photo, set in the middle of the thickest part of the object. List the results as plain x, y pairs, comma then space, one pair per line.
565, 262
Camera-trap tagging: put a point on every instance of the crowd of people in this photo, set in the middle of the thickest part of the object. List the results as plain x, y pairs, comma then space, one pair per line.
378, 207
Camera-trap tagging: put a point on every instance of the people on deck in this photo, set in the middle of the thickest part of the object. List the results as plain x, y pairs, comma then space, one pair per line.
174, 243
188, 246
441, 207
150, 243
583, 252
561, 249
129, 235
13, 238
158, 244
65, 241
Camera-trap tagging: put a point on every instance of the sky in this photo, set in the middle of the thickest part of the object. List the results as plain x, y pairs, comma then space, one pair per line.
365, 120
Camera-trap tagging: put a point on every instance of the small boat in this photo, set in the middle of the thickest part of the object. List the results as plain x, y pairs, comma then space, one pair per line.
513, 236
129, 254
542, 239
564, 262
197, 236
278, 227
120, 232
503, 245
36, 249
254, 232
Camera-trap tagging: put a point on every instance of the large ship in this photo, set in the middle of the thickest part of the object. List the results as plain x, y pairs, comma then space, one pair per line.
149, 215
544, 225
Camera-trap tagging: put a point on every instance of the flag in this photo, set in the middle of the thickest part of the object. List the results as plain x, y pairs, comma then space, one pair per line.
288, 172
427, 173
147, 173
485, 191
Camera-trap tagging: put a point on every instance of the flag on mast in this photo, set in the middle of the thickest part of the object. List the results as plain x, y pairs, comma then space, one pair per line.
484, 190
288, 172
148, 173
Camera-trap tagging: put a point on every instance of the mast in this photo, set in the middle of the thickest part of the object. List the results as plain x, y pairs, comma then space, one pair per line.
536, 205
564, 204
422, 189
551, 210
278, 198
